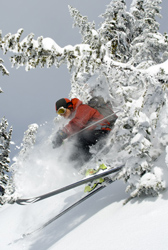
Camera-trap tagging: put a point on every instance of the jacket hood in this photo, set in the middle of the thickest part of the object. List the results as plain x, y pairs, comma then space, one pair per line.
76, 102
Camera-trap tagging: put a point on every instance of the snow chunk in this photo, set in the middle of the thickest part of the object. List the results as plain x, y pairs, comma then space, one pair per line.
143, 120
12, 142
49, 44
156, 68
152, 179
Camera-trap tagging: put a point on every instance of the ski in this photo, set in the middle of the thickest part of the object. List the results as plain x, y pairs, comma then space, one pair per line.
68, 187
76, 203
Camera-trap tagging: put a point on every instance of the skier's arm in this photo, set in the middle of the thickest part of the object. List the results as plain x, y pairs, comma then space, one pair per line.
82, 117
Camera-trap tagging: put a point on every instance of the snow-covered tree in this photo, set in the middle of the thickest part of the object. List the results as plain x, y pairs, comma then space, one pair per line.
27, 146
109, 62
3, 69
136, 139
29, 140
116, 30
5, 138
148, 45
87, 29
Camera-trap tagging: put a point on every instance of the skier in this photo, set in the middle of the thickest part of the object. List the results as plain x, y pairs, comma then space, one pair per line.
80, 126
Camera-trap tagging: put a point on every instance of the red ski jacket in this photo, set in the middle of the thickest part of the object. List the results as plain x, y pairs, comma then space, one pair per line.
82, 116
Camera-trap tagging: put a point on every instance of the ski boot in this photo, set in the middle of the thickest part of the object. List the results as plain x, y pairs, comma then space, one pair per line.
92, 185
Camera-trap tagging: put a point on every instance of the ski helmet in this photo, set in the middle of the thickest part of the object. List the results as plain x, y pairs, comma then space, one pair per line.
63, 102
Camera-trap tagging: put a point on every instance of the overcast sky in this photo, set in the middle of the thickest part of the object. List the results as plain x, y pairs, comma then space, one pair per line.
29, 97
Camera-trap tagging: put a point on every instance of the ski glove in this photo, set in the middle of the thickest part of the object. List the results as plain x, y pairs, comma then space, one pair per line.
58, 140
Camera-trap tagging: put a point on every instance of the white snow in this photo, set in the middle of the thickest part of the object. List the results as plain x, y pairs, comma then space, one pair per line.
155, 69
102, 222
49, 44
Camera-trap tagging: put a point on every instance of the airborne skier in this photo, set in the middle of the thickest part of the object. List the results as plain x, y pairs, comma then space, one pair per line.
82, 117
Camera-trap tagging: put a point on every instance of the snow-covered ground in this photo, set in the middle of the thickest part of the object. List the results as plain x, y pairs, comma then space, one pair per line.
102, 222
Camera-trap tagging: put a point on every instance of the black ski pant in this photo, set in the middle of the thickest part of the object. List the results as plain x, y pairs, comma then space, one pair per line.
84, 141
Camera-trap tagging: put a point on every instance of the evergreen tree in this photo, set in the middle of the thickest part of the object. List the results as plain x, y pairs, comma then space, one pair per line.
29, 140
148, 45
4, 147
116, 30
2, 67
27, 146
5, 138
87, 29
3, 70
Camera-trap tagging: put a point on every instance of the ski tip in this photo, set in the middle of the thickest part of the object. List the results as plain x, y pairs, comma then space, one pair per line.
26, 201
21, 202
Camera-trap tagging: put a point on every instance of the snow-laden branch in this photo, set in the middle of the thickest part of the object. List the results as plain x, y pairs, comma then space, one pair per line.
3, 69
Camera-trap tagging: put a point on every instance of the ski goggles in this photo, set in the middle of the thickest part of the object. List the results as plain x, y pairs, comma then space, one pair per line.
61, 111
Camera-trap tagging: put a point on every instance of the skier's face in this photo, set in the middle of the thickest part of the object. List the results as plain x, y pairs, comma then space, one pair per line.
67, 114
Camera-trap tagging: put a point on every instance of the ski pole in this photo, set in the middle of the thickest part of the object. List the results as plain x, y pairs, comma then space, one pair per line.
94, 123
